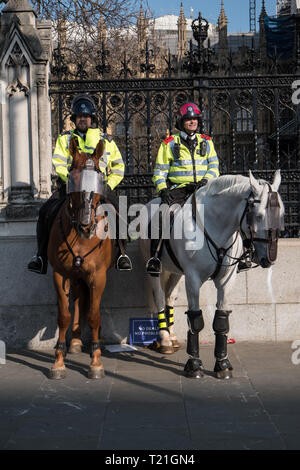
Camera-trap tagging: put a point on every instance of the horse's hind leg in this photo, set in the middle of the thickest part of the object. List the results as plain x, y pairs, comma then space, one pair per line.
58, 370
193, 367
164, 346
170, 285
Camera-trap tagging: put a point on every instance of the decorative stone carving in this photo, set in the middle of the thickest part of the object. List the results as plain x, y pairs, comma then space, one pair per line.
25, 117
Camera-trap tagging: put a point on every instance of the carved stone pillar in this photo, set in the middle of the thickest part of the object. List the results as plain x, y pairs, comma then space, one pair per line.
25, 121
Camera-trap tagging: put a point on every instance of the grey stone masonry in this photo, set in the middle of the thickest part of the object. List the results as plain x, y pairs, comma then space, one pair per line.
25, 117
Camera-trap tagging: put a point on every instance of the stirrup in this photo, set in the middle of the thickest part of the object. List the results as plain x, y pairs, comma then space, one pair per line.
124, 257
153, 266
40, 267
244, 266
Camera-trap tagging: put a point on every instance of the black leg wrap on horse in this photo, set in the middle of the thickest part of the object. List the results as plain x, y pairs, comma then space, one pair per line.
222, 365
94, 346
193, 365
196, 324
61, 347
221, 328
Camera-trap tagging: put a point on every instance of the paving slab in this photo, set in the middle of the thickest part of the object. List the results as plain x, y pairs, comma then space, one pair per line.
144, 402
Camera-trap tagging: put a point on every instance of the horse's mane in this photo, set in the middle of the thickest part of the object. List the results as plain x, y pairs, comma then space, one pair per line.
225, 183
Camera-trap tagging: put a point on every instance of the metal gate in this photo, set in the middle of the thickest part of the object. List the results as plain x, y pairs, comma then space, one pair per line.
250, 116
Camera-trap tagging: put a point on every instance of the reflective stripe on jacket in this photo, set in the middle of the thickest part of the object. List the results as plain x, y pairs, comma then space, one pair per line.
111, 163
175, 163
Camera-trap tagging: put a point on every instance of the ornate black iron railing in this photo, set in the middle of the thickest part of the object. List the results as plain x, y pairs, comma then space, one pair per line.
247, 108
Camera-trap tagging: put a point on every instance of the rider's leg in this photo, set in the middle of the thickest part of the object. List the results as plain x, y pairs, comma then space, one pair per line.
123, 262
47, 214
39, 262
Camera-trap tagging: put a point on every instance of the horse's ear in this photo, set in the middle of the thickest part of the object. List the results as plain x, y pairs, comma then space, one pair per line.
73, 147
99, 149
277, 181
254, 183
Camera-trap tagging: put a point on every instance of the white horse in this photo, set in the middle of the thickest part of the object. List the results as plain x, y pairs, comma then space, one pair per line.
236, 208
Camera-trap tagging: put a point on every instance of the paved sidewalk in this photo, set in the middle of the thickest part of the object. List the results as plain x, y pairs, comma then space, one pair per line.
145, 402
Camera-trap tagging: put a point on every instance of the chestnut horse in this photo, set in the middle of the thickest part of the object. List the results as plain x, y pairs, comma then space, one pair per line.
80, 252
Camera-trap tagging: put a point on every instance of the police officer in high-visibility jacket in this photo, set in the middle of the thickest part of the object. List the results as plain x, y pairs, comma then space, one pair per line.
83, 115
184, 163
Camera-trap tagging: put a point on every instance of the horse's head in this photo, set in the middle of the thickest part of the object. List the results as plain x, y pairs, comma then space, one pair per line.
264, 219
85, 187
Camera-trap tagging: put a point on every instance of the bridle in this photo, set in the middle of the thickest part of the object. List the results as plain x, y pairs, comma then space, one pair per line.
273, 232
88, 206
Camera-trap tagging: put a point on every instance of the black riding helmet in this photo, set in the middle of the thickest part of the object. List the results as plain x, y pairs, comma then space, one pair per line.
83, 104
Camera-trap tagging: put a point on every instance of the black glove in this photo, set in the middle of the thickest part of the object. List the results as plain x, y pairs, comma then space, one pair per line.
107, 191
202, 183
166, 196
192, 187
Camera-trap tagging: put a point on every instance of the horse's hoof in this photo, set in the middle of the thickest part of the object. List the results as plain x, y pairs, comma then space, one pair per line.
157, 347
224, 374
176, 344
166, 350
75, 348
96, 373
194, 374
58, 373
194, 369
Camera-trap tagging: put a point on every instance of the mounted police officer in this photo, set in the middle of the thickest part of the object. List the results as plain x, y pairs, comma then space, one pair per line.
87, 134
184, 163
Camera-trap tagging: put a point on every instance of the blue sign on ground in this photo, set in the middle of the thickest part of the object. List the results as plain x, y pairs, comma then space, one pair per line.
143, 330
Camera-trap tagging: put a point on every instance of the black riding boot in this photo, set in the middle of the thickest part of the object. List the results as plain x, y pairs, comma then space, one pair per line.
47, 214
39, 262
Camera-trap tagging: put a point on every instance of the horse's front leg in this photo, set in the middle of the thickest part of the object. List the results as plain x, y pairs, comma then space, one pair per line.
58, 370
193, 367
96, 288
223, 367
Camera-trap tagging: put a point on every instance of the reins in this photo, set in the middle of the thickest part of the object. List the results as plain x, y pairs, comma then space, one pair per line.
220, 251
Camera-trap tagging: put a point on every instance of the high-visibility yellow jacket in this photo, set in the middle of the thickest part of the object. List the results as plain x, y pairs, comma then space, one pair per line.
175, 163
111, 162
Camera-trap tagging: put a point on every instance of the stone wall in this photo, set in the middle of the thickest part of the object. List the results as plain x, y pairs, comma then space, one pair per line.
265, 303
